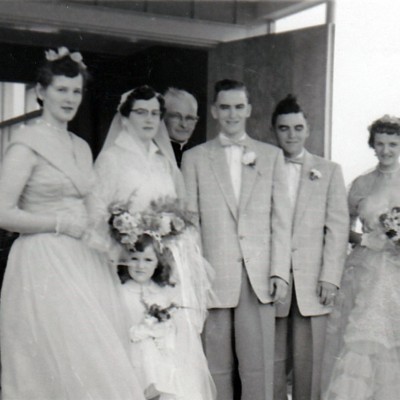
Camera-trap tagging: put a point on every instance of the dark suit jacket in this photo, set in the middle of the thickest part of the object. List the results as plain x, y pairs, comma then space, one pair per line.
178, 151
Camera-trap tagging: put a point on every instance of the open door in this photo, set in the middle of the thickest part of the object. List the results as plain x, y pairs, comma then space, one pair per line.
297, 62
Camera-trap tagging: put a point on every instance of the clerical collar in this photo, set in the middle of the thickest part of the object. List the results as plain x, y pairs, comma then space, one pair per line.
181, 144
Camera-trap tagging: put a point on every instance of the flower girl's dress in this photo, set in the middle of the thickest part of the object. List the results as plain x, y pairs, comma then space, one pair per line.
367, 319
152, 341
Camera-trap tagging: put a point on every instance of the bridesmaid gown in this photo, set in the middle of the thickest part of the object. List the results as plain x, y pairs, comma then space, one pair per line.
61, 334
363, 343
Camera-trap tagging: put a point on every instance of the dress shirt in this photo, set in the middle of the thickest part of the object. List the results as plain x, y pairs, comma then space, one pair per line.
293, 173
234, 155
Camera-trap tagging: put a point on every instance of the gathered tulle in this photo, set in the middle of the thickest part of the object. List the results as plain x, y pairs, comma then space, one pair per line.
194, 276
362, 355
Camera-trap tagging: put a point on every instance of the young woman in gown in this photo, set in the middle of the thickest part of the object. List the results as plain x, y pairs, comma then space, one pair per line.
59, 306
367, 320
137, 166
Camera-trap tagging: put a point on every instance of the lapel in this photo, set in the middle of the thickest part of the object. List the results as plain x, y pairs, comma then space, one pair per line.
249, 175
220, 169
306, 188
48, 145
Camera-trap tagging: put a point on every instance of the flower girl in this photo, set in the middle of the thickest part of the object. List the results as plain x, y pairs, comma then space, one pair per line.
148, 295
164, 327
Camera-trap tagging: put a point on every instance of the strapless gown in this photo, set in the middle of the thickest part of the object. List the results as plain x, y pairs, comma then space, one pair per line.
363, 344
61, 333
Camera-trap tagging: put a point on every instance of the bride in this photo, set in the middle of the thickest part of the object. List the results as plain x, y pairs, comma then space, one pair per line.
135, 169
368, 364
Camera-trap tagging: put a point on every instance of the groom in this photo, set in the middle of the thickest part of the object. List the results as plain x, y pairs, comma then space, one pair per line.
238, 188
319, 242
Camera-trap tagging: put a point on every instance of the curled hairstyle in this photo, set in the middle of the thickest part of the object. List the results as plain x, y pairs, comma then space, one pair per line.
288, 105
144, 92
386, 124
162, 273
229, 84
64, 66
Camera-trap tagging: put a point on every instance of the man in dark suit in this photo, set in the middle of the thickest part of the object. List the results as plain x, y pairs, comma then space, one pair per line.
180, 118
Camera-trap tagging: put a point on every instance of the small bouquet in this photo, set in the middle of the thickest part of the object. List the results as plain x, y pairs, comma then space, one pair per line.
159, 314
156, 325
162, 220
390, 222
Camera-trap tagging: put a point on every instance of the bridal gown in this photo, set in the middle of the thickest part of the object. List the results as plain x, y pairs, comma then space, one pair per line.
61, 329
127, 173
367, 319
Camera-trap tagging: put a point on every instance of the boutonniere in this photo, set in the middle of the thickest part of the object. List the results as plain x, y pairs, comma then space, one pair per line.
249, 158
315, 174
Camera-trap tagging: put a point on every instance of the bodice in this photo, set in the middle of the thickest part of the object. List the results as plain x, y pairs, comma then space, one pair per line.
372, 195
49, 189
135, 296
62, 176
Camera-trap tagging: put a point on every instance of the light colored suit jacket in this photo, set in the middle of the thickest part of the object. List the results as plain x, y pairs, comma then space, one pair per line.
256, 232
319, 235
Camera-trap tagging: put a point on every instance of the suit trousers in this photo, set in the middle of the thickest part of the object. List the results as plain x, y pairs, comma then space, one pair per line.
239, 343
299, 346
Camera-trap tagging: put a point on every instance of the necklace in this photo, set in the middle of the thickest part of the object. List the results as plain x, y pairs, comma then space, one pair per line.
63, 133
49, 125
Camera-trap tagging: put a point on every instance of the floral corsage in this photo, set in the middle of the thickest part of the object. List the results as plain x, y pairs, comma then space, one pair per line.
249, 158
315, 174
387, 234
390, 222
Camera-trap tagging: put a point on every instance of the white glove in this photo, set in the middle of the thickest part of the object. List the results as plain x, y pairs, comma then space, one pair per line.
71, 224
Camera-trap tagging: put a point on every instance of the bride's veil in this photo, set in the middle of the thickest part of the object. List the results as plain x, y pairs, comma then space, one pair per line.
161, 139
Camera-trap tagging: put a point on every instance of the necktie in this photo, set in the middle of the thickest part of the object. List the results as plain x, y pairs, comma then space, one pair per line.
225, 141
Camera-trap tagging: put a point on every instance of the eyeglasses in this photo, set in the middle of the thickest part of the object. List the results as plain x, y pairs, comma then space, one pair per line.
142, 112
177, 117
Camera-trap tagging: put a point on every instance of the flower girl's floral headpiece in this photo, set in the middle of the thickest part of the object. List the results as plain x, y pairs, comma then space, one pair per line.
54, 55
163, 220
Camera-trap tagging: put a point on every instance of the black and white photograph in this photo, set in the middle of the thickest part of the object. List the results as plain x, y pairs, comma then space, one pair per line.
199, 200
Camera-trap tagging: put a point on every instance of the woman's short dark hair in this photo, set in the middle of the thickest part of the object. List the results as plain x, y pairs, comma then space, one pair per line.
386, 124
162, 273
64, 66
144, 92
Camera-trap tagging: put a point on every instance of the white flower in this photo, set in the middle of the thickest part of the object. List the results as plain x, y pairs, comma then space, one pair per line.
249, 158
125, 222
165, 224
61, 52
315, 174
